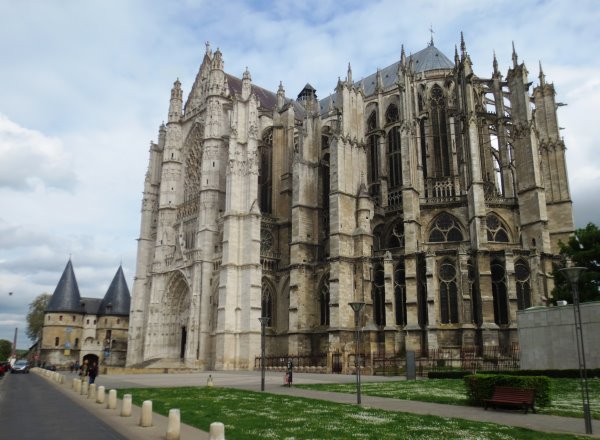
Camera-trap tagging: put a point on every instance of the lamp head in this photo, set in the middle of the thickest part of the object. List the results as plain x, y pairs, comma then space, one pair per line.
357, 305
573, 273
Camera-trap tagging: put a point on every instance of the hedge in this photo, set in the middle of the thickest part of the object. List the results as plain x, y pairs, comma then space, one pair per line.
481, 386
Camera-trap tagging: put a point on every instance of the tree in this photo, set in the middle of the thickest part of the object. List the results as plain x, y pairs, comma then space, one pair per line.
35, 317
583, 250
5, 349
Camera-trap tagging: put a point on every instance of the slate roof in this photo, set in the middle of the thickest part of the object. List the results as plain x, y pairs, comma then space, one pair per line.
117, 298
267, 98
430, 58
66, 297
90, 305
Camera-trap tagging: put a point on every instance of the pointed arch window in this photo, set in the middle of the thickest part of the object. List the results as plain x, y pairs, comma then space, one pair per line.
496, 231
267, 302
499, 292
474, 292
439, 132
379, 296
325, 190
448, 293
325, 300
396, 238
394, 158
391, 114
400, 294
445, 229
265, 165
523, 277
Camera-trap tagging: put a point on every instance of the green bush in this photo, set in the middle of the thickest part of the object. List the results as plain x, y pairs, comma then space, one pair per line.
481, 386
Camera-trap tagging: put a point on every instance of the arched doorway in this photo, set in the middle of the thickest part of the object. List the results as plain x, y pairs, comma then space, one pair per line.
176, 317
90, 359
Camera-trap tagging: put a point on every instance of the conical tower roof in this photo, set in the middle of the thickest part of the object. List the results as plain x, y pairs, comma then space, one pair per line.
66, 296
117, 298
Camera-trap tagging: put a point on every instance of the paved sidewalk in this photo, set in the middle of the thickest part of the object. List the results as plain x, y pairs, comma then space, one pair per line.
250, 380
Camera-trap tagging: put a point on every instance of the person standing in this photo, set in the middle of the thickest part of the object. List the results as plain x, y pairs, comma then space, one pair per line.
290, 367
93, 372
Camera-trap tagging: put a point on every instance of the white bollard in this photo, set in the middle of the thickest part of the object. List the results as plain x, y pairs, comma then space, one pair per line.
126, 408
174, 426
209, 382
73, 383
100, 394
217, 431
112, 400
146, 416
92, 391
84, 387
62, 379
77, 386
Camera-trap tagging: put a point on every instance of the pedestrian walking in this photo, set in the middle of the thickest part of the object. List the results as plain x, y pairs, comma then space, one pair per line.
93, 372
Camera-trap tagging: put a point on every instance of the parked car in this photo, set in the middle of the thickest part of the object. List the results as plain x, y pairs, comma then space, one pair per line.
20, 367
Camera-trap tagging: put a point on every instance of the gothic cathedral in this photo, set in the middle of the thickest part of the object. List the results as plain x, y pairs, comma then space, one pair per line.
435, 196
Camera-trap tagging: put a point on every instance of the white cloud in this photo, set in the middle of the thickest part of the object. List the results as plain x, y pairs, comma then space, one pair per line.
29, 159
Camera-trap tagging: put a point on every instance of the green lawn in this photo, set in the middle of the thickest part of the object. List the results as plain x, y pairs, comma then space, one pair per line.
566, 393
253, 415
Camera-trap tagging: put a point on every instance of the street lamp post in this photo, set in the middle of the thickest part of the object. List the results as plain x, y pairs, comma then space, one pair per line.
573, 274
264, 321
357, 307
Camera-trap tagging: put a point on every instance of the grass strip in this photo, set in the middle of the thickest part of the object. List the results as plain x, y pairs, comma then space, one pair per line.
253, 415
565, 393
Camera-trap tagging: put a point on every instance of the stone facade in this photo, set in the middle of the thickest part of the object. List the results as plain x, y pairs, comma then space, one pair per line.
434, 195
78, 328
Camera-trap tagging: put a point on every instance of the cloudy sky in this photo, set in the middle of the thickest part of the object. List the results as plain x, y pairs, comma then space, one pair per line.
85, 85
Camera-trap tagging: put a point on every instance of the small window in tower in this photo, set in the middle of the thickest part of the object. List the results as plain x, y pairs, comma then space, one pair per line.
118, 321
105, 321
94, 322
73, 318
56, 341
76, 342
60, 318
48, 317
87, 321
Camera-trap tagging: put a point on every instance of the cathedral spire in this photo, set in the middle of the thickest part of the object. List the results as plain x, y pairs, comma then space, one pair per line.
456, 58
542, 76
495, 64
280, 96
463, 46
349, 75
515, 58
431, 32
402, 56
176, 101
246, 84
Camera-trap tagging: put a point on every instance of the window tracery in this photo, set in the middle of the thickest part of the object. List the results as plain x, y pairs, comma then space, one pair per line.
267, 300
379, 296
499, 292
391, 114
394, 158
445, 229
523, 276
496, 231
439, 133
400, 294
448, 292
396, 238
324, 300
265, 183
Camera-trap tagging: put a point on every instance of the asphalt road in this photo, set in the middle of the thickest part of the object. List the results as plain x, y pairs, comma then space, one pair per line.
31, 408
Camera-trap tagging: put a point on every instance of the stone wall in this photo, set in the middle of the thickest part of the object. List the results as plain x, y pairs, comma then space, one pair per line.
547, 337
